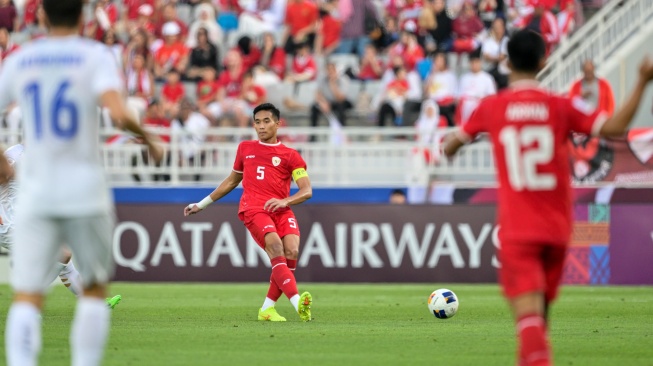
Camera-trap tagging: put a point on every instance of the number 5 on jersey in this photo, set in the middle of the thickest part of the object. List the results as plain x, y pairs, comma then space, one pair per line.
260, 172
524, 150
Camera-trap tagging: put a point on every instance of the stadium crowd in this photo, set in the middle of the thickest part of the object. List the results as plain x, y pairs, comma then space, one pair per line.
193, 64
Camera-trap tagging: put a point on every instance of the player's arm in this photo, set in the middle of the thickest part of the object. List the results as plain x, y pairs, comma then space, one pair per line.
125, 120
304, 193
453, 141
616, 125
227, 185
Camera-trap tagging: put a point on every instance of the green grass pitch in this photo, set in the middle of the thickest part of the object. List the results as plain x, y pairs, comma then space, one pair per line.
215, 324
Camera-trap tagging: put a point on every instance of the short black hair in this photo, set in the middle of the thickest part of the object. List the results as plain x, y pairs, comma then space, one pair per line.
398, 192
525, 51
63, 13
267, 107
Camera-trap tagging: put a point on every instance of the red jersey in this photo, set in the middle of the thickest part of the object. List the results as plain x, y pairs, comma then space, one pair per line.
330, 31
301, 15
207, 90
529, 128
173, 93
267, 170
231, 84
172, 53
133, 5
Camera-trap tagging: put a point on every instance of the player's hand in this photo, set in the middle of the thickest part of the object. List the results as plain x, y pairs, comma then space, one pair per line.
191, 209
274, 204
646, 69
156, 151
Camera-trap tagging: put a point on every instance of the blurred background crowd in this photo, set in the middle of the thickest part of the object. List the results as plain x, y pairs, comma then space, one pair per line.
196, 64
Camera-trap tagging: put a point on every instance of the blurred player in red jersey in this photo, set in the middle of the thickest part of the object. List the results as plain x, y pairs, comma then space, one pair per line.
265, 167
529, 127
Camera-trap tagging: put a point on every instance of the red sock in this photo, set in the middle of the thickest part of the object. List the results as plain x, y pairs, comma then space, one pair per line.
283, 276
274, 292
533, 345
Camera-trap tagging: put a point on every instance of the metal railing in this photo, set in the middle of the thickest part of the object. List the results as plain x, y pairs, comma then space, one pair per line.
597, 40
351, 157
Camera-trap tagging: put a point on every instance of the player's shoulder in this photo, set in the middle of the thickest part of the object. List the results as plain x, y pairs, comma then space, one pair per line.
248, 143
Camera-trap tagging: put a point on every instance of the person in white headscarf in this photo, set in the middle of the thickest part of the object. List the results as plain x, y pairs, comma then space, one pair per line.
204, 18
427, 123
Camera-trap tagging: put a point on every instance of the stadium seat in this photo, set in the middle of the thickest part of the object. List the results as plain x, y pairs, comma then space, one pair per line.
424, 67
353, 91
228, 21
306, 93
191, 90
345, 61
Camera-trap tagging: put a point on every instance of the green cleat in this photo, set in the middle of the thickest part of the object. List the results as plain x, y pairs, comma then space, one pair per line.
113, 301
304, 308
270, 315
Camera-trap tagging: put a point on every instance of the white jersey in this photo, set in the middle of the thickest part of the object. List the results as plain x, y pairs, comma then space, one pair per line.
8, 191
57, 83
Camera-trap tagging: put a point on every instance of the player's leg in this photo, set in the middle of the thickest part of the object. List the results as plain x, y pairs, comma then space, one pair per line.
33, 262
291, 250
522, 278
68, 274
554, 262
286, 225
260, 224
89, 238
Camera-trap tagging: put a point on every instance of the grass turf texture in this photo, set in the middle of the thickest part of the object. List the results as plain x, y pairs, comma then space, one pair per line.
194, 324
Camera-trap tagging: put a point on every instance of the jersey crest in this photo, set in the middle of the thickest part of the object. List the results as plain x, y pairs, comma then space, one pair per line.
276, 160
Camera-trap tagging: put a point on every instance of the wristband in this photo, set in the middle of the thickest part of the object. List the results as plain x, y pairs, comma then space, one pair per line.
205, 202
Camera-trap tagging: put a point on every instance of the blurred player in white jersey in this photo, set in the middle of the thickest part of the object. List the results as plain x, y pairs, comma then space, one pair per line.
65, 268
63, 197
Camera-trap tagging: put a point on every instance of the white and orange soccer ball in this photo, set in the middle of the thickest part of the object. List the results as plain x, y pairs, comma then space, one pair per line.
443, 303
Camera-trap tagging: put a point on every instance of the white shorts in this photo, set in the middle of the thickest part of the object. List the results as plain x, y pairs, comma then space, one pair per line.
41, 240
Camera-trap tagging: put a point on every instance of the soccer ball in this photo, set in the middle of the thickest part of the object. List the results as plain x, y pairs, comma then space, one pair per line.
443, 303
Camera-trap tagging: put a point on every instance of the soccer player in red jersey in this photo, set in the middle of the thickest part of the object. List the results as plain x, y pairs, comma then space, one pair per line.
529, 127
265, 167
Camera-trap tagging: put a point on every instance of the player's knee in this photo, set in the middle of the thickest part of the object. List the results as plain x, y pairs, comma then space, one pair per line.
274, 249
291, 253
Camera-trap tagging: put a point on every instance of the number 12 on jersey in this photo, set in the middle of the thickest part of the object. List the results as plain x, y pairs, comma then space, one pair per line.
57, 106
537, 143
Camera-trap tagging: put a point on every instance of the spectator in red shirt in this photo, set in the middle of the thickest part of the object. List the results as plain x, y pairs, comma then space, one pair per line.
132, 8
273, 57
328, 34
173, 54
144, 19
9, 16
249, 53
394, 97
232, 77
466, 28
371, 67
251, 93
172, 93
304, 67
207, 90
156, 121
31, 7
6, 45
408, 48
39, 28
169, 14
301, 19
545, 23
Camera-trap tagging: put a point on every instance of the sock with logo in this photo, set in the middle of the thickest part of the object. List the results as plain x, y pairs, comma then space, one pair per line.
283, 277
274, 292
23, 334
71, 278
533, 345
